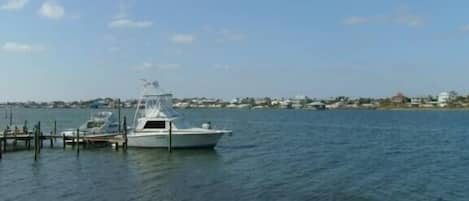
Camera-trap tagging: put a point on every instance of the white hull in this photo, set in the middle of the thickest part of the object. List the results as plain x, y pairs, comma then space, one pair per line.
178, 140
70, 133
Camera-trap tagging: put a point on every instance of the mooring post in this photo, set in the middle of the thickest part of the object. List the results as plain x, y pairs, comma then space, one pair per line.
40, 136
5, 140
15, 133
125, 134
1, 146
119, 114
63, 138
41, 139
27, 142
55, 130
25, 127
78, 142
0, 149
51, 138
170, 136
36, 142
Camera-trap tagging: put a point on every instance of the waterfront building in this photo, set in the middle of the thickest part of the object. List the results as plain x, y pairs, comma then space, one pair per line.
416, 102
399, 98
444, 98
263, 101
300, 100
285, 104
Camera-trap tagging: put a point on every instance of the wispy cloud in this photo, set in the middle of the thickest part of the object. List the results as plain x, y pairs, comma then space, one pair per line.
153, 66
13, 5
122, 10
228, 35
403, 17
355, 20
127, 23
410, 20
221, 66
122, 20
75, 17
51, 10
20, 47
114, 49
464, 28
182, 38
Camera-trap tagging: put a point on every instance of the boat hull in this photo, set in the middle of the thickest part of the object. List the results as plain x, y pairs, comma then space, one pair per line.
181, 140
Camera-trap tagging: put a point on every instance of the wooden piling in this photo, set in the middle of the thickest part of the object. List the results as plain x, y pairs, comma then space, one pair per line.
25, 127
64, 142
51, 140
36, 142
5, 140
41, 140
55, 130
125, 134
170, 136
119, 114
78, 142
39, 134
15, 132
0, 149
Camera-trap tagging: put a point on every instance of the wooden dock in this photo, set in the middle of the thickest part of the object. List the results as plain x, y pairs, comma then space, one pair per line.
10, 138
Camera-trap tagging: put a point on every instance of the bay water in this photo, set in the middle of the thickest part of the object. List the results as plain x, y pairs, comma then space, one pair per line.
271, 155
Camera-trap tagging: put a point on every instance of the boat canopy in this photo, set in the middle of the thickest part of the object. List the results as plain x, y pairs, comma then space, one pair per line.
158, 103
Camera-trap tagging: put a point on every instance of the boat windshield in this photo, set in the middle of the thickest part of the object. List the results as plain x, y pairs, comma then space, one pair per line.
94, 124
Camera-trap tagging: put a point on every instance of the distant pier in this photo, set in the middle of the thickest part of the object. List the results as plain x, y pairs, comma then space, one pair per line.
12, 138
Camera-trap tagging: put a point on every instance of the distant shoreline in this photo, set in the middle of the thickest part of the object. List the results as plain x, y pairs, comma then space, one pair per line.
423, 109
275, 108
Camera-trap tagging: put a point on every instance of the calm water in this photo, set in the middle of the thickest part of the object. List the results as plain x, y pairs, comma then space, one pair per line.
272, 155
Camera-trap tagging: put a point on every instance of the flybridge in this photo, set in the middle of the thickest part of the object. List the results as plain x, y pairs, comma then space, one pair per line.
158, 125
156, 101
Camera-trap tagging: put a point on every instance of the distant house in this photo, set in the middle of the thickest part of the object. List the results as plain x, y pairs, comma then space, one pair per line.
399, 98
263, 101
416, 102
285, 104
444, 98
300, 100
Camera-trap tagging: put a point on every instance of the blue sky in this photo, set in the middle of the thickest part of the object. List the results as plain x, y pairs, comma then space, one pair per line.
72, 50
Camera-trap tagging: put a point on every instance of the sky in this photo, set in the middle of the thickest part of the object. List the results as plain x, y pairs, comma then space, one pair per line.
77, 50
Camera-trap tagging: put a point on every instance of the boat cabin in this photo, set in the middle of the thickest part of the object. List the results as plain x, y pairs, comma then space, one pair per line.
160, 124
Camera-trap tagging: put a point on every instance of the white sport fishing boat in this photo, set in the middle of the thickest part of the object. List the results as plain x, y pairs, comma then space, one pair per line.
153, 124
100, 124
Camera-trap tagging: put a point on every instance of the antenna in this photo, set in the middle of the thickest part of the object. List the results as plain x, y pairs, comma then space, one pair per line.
11, 115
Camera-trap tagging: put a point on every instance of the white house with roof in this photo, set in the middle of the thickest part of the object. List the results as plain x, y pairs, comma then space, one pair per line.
445, 97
